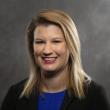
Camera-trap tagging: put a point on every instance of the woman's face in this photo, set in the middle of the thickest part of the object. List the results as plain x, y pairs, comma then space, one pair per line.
50, 49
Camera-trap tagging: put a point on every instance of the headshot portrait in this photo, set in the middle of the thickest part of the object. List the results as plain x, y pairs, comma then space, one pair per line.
57, 79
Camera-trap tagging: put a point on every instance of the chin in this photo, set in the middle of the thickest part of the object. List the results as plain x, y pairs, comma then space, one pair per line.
49, 70
49, 73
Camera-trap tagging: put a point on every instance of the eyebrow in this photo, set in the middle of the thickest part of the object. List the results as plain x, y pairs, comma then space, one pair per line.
38, 39
55, 38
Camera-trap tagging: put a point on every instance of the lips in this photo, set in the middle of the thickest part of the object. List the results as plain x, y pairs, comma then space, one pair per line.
49, 60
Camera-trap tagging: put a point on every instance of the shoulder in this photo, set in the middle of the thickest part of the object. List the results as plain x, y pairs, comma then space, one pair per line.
20, 84
96, 95
18, 87
95, 98
12, 95
92, 88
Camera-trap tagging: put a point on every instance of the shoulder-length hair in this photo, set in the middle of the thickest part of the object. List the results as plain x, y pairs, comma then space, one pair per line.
77, 75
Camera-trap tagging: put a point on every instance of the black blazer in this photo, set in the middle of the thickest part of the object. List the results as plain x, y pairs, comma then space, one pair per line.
95, 99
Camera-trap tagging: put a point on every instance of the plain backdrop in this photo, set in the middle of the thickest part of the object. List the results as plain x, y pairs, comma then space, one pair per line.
92, 18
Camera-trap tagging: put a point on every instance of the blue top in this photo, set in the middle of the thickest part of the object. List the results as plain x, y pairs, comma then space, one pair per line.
50, 101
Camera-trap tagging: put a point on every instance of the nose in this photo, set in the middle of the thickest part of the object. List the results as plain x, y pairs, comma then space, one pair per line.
47, 50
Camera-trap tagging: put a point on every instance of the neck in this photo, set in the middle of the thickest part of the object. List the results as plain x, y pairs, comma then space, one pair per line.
56, 83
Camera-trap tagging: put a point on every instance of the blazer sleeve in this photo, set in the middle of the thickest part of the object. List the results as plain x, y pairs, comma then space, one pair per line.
10, 99
100, 101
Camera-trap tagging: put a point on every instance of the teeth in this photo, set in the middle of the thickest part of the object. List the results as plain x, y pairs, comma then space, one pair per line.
49, 58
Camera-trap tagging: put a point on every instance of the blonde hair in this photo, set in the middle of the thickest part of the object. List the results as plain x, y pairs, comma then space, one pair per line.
77, 76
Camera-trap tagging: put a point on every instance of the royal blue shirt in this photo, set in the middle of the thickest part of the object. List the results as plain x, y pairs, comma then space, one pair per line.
50, 101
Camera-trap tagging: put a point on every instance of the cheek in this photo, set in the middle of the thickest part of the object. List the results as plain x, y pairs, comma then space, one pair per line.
62, 50
37, 54
63, 54
37, 50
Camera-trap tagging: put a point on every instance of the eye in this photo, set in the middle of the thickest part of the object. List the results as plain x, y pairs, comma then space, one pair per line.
38, 42
57, 41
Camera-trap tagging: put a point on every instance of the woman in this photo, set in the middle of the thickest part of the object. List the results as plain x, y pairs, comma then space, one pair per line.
57, 80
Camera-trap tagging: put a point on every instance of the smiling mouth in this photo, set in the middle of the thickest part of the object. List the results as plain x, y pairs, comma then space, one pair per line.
49, 60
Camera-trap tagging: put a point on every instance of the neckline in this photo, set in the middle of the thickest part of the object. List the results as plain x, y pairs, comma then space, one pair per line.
54, 93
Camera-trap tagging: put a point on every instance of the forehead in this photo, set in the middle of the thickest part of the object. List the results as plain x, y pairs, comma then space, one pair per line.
49, 30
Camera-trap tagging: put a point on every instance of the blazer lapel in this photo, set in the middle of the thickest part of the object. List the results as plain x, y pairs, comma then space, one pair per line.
33, 100
68, 98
